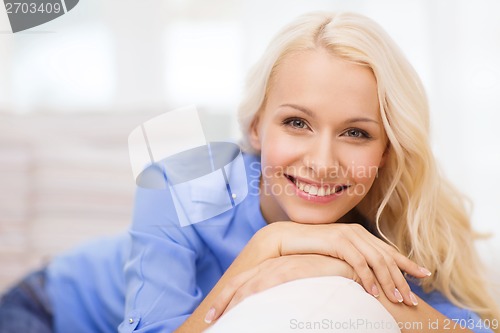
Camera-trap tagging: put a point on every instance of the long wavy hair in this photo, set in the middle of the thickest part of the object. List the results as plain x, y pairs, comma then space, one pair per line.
411, 204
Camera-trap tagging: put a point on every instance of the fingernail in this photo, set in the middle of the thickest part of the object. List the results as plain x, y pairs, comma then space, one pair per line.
375, 291
413, 299
398, 295
210, 316
425, 271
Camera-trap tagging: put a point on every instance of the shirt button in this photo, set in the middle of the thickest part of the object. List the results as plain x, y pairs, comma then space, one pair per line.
234, 195
131, 320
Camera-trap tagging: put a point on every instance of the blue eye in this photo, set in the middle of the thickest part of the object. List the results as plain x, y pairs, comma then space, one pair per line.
357, 133
296, 123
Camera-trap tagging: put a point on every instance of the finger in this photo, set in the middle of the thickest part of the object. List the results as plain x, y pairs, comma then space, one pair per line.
254, 285
401, 284
226, 295
391, 279
379, 263
402, 261
281, 272
405, 264
357, 260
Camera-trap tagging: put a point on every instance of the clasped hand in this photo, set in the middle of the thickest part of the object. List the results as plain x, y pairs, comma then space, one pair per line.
295, 251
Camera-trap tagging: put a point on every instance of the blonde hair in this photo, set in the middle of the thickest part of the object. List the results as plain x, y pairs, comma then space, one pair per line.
414, 207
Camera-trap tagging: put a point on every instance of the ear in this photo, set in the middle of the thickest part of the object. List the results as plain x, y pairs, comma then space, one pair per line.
254, 133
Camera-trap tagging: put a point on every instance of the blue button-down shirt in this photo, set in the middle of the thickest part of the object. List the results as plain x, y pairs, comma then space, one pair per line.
154, 277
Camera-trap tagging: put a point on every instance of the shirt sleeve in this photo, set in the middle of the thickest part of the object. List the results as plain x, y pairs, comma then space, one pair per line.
463, 318
459, 317
476, 324
160, 273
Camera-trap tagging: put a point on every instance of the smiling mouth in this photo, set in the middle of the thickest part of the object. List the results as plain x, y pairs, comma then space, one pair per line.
315, 190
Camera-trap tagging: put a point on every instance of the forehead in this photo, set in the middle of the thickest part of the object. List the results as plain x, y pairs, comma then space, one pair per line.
318, 78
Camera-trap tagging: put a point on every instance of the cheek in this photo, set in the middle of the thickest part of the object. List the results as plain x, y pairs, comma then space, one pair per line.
362, 164
277, 150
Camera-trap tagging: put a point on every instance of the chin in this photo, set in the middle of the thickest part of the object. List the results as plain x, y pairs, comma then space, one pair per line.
313, 218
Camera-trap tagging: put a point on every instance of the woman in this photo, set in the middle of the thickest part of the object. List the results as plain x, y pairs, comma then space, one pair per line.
335, 121
313, 78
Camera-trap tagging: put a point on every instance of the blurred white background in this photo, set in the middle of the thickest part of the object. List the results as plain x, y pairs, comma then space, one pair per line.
72, 89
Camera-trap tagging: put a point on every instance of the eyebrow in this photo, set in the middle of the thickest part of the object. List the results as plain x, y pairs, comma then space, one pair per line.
311, 114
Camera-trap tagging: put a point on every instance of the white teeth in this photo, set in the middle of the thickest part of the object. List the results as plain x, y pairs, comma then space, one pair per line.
299, 185
313, 190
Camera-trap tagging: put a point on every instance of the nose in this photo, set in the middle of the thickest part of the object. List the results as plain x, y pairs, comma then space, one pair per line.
322, 158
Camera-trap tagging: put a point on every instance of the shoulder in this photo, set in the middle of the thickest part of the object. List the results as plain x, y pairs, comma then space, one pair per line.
180, 210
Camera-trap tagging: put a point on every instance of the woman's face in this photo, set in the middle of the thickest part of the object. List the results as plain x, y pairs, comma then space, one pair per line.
321, 138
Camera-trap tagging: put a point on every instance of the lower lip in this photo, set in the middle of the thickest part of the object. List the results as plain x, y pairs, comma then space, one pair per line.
314, 198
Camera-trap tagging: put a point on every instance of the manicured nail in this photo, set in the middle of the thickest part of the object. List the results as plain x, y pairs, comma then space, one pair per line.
210, 316
375, 291
425, 271
413, 299
398, 295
